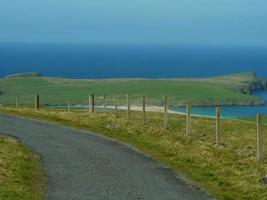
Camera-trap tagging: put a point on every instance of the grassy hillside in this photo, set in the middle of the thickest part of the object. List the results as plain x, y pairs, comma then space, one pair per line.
225, 90
227, 172
21, 174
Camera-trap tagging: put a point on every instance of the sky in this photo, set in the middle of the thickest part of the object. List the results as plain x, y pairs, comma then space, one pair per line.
182, 22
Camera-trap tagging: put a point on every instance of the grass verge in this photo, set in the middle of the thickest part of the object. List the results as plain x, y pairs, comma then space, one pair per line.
21, 173
227, 172
252, 118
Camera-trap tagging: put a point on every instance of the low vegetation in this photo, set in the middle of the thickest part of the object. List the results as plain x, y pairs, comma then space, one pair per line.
21, 173
252, 118
24, 75
224, 90
229, 171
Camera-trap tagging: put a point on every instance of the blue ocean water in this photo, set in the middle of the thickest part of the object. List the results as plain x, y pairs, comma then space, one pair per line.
232, 111
109, 61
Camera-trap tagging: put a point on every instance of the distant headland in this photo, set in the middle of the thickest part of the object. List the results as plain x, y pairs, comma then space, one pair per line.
25, 75
226, 90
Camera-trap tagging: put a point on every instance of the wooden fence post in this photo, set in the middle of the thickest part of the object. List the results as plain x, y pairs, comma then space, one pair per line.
92, 103
17, 102
128, 107
260, 155
89, 101
69, 106
37, 102
165, 112
188, 118
143, 110
115, 106
218, 125
104, 103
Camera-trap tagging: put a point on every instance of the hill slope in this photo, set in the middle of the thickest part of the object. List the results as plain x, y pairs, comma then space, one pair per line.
225, 90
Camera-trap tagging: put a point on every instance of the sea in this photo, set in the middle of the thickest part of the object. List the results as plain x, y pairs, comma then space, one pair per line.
97, 61
232, 111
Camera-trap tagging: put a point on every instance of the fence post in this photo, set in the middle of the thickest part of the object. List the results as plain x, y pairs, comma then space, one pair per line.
218, 125
69, 106
17, 102
260, 155
37, 102
89, 103
165, 112
115, 106
104, 103
128, 107
188, 118
92, 103
143, 110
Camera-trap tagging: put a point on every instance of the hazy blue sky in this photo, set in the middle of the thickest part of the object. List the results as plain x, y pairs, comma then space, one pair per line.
211, 22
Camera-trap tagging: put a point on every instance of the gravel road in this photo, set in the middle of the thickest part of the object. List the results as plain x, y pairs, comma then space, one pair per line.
81, 165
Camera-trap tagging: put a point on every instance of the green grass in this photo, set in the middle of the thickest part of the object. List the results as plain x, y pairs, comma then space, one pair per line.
21, 173
253, 118
227, 172
201, 91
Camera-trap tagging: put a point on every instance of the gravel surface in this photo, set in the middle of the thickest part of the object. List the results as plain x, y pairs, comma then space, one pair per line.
83, 165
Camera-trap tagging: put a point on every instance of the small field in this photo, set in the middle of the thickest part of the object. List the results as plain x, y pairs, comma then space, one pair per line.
21, 172
223, 90
229, 171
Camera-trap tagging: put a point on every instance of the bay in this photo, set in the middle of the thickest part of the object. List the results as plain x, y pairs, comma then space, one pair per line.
232, 111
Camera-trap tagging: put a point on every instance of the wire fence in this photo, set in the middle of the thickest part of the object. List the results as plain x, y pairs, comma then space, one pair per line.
126, 105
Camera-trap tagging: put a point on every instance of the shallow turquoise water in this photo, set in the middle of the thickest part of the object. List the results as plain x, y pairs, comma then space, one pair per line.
233, 111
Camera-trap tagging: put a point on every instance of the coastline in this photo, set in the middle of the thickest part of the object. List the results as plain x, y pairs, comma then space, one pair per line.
156, 109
